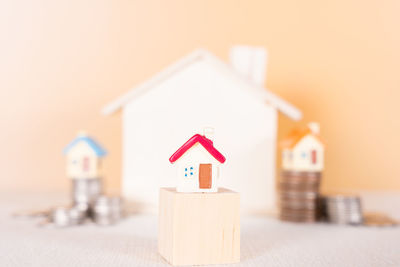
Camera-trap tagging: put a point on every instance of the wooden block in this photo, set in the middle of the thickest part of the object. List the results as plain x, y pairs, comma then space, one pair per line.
199, 228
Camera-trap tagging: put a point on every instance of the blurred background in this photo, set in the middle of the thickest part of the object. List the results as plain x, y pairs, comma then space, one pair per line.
62, 61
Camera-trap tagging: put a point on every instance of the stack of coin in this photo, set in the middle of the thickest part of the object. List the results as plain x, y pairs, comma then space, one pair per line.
85, 192
67, 216
344, 209
107, 210
298, 192
321, 209
88, 203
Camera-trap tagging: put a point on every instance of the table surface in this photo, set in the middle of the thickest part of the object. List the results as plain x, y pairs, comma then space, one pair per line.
133, 242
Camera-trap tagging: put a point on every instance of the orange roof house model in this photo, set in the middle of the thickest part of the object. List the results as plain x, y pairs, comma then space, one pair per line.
303, 150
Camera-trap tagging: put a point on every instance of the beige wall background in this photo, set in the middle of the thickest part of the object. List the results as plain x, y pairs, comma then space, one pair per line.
61, 61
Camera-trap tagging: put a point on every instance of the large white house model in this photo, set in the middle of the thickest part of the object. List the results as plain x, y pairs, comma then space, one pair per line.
197, 163
303, 150
199, 90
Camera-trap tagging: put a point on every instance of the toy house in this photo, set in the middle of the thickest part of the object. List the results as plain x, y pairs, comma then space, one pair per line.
84, 158
201, 89
303, 150
197, 163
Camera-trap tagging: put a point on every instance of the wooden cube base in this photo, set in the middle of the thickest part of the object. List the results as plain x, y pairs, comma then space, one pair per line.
199, 228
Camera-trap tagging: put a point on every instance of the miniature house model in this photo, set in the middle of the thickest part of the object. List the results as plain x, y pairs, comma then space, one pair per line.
201, 89
84, 158
303, 150
197, 163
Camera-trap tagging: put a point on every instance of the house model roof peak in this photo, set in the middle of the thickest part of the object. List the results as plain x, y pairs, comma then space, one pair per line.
97, 149
297, 135
198, 55
204, 141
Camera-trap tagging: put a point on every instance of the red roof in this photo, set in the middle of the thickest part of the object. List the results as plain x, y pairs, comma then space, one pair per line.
205, 142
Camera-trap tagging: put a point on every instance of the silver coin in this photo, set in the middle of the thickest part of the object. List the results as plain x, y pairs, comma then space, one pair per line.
283, 187
66, 216
295, 218
299, 195
60, 216
301, 174
343, 209
76, 215
107, 210
298, 204
86, 190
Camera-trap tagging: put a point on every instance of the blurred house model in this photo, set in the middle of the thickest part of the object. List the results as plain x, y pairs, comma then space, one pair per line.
303, 150
84, 158
201, 89
197, 164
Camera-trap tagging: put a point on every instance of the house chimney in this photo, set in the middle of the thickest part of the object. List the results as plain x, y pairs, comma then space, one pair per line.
251, 62
208, 132
314, 127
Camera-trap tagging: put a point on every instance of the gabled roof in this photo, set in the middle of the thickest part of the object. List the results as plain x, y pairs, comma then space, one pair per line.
202, 140
98, 150
296, 136
200, 54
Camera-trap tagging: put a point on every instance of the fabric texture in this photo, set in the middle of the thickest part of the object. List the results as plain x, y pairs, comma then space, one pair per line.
133, 242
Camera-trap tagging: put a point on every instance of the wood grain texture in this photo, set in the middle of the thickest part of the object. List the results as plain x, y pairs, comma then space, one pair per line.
199, 228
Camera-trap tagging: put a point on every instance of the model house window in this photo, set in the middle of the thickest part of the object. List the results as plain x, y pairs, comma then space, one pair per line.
314, 156
189, 171
303, 155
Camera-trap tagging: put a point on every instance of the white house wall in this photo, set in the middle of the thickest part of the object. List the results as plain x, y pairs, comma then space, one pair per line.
195, 156
307, 144
75, 157
157, 123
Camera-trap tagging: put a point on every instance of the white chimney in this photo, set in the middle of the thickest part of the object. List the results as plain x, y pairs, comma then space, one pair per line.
314, 127
251, 62
208, 132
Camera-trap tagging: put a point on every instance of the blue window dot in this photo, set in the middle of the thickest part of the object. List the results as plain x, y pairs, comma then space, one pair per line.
185, 169
185, 174
191, 168
191, 173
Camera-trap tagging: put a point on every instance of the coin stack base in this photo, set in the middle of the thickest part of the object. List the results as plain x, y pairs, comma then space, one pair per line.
88, 203
298, 193
107, 210
85, 191
67, 216
344, 209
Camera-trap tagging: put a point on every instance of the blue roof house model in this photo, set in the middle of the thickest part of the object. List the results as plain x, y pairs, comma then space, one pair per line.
97, 149
84, 157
